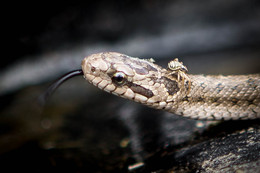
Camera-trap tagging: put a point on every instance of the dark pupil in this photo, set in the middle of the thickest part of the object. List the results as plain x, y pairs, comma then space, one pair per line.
119, 78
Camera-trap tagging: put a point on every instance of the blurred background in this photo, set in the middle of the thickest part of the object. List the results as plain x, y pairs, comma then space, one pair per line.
84, 129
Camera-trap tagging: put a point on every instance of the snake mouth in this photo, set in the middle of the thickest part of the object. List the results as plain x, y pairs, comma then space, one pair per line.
96, 69
93, 67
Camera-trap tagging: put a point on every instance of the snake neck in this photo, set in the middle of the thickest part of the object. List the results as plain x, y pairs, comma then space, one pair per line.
219, 97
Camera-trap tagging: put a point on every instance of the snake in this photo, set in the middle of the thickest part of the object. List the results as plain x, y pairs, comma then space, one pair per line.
201, 97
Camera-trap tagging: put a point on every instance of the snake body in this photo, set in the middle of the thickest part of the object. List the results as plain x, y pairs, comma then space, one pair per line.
212, 97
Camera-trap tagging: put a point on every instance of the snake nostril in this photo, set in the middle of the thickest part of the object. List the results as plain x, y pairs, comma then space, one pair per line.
93, 69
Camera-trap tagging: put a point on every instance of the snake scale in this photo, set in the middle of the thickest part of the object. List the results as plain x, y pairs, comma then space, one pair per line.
210, 97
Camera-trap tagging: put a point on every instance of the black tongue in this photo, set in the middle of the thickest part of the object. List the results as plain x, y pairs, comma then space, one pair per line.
44, 97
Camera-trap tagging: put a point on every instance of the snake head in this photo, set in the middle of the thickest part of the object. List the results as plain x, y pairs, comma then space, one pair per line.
106, 70
125, 76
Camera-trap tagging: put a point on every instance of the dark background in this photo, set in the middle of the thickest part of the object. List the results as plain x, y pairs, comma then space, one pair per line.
84, 129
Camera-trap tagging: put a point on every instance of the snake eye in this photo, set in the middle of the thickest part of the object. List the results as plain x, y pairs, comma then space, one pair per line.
119, 78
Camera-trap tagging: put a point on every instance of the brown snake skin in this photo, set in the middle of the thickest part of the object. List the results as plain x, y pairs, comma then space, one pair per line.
205, 97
